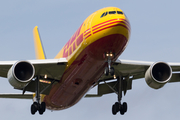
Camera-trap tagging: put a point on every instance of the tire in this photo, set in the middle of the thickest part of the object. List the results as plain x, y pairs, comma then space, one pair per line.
106, 71
112, 71
34, 108
125, 107
114, 110
122, 111
41, 112
117, 106
42, 108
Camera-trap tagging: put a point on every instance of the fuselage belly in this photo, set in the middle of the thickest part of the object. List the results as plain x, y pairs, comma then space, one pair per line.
99, 34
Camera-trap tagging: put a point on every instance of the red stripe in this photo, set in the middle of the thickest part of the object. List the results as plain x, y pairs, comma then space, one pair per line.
125, 22
87, 36
87, 30
126, 26
111, 27
87, 33
103, 23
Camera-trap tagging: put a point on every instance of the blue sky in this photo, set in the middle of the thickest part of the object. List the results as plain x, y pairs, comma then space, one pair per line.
155, 34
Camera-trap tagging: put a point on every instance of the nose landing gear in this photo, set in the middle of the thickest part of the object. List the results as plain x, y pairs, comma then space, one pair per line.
109, 70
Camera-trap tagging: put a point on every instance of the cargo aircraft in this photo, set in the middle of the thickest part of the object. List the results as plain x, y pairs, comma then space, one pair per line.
88, 59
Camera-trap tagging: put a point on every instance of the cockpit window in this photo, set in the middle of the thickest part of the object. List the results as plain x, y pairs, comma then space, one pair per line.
119, 12
104, 14
112, 12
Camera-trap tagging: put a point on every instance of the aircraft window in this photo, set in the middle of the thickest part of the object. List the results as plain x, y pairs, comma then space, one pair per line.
119, 12
112, 12
104, 14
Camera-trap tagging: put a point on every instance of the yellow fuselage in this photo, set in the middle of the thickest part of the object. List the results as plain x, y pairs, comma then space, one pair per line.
104, 31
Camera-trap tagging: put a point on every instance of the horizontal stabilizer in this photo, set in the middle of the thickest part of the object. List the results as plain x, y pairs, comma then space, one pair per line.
92, 95
16, 96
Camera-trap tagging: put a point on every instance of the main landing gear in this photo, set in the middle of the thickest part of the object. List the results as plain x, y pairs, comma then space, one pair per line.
37, 106
118, 106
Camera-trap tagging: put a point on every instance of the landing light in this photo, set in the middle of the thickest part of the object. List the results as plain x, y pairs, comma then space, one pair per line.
107, 54
45, 76
114, 76
45, 81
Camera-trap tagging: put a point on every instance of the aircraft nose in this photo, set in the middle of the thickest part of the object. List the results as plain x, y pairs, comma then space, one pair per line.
124, 22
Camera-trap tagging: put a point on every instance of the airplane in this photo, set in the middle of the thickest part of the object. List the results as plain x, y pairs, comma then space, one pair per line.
89, 59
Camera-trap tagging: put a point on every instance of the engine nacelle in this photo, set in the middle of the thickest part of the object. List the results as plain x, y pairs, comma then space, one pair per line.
20, 74
158, 74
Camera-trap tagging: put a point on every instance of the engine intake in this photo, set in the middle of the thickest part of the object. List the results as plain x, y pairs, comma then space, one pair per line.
158, 74
20, 74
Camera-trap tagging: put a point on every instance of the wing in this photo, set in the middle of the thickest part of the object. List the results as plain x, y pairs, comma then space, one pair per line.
135, 69
53, 69
130, 70
48, 71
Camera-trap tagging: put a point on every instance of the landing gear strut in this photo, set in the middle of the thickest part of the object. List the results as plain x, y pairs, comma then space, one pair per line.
37, 106
109, 70
118, 107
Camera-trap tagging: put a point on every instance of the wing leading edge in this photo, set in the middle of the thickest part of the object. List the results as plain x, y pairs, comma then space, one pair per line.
48, 71
53, 69
129, 70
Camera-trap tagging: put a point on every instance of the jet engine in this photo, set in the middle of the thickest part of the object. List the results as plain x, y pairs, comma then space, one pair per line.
158, 74
20, 74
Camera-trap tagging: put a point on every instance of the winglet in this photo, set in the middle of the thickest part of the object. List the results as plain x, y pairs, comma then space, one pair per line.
38, 45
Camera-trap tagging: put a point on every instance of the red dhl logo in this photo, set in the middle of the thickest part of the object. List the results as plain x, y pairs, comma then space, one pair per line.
74, 41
